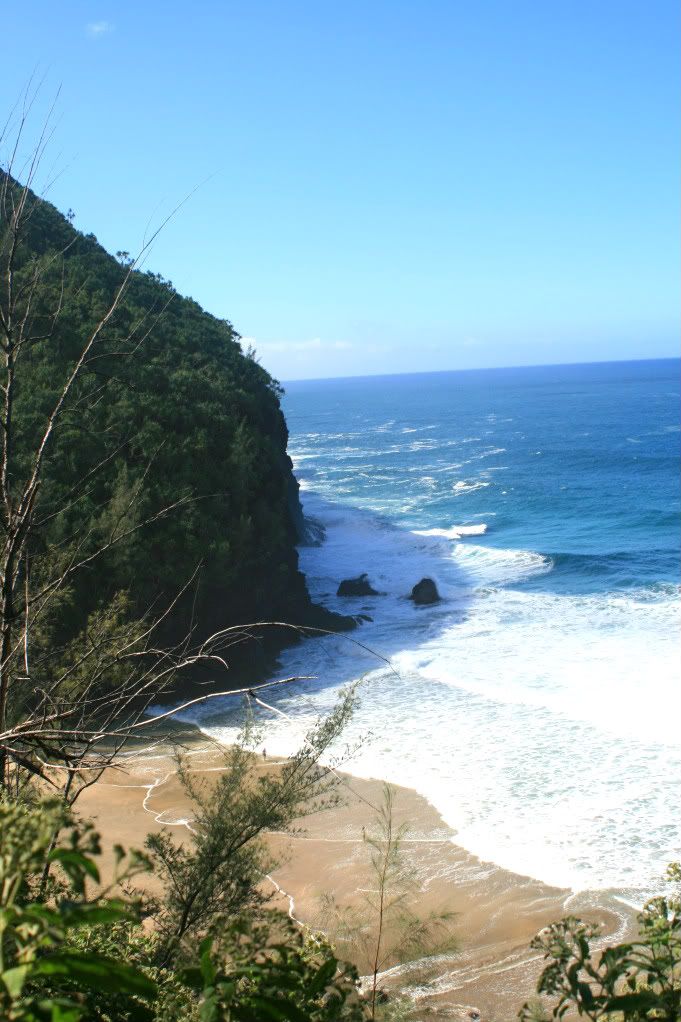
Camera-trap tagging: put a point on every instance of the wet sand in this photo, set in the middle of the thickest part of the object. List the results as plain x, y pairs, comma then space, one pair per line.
498, 912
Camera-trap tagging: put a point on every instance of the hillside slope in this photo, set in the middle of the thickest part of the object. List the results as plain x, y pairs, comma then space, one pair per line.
177, 411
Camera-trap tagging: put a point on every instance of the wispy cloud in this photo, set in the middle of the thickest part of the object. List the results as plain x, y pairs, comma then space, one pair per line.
293, 347
98, 28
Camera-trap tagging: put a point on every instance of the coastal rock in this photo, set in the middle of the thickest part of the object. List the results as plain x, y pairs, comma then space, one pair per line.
425, 592
359, 586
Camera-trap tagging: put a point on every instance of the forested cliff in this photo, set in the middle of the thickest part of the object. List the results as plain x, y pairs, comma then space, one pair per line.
173, 439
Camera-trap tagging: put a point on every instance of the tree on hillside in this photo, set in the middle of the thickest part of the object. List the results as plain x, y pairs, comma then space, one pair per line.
115, 429
56, 703
138, 446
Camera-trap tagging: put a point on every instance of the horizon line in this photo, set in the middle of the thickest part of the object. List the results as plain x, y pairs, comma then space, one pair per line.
481, 369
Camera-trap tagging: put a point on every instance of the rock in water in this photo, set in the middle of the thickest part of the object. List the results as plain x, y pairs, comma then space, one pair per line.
359, 586
425, 592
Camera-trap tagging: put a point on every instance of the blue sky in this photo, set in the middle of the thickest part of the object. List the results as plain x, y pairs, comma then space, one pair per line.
384, 186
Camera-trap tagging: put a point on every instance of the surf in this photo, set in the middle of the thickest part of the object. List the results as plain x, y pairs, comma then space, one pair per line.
536, 705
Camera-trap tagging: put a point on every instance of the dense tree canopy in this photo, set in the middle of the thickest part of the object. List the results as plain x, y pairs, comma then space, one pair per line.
178, 413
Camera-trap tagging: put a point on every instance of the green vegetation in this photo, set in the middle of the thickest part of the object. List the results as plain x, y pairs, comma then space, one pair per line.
218, 876
273, 970
86, 957
636, 981
146, 498
43, 972
384, 929
168, 412
209, 945
74, 954
148, 511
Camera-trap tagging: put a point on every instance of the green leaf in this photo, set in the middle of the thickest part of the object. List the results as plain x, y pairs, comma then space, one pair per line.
140, 1013
14, 979
270, 1009
207, 968
75, 864
642, 1000
210, 1011
96, 972
325, 974
191, 977
66, 1012
43, 913
586, 995
96, 915
58, 1009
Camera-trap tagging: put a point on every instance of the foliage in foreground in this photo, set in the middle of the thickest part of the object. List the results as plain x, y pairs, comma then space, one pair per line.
217, 876
272, 970
67, 955
637, 981
77, 955
43, 974
53, 965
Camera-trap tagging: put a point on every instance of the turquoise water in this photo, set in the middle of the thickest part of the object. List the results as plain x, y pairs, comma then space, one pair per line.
538, 705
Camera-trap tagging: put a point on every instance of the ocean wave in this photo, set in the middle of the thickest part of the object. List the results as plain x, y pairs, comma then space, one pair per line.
576, 560
521, 715
496, 566
455, 531
467, 486
537, 705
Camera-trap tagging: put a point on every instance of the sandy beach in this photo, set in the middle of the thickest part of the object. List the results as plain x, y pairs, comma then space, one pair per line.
497, 912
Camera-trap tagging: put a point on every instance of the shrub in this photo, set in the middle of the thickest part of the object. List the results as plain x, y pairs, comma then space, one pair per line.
43, 975
639, 981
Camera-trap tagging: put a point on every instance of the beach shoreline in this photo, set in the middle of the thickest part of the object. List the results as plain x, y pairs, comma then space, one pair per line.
497, 912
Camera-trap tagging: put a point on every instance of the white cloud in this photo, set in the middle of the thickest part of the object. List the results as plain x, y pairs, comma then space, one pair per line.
99, 28
294, 347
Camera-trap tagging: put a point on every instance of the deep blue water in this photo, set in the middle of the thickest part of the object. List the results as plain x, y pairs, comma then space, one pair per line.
579, 462
538, 705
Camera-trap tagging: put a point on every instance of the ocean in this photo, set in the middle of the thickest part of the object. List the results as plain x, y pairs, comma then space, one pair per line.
538, 705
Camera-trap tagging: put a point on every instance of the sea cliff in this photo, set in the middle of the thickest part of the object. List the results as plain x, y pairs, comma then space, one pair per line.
181, 437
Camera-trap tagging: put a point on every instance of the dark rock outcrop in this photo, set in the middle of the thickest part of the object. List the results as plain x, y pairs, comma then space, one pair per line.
425, 592
360, 586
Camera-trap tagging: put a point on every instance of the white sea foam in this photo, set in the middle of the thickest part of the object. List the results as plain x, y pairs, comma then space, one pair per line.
455, 531
524, 717
491, 566
469, 486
